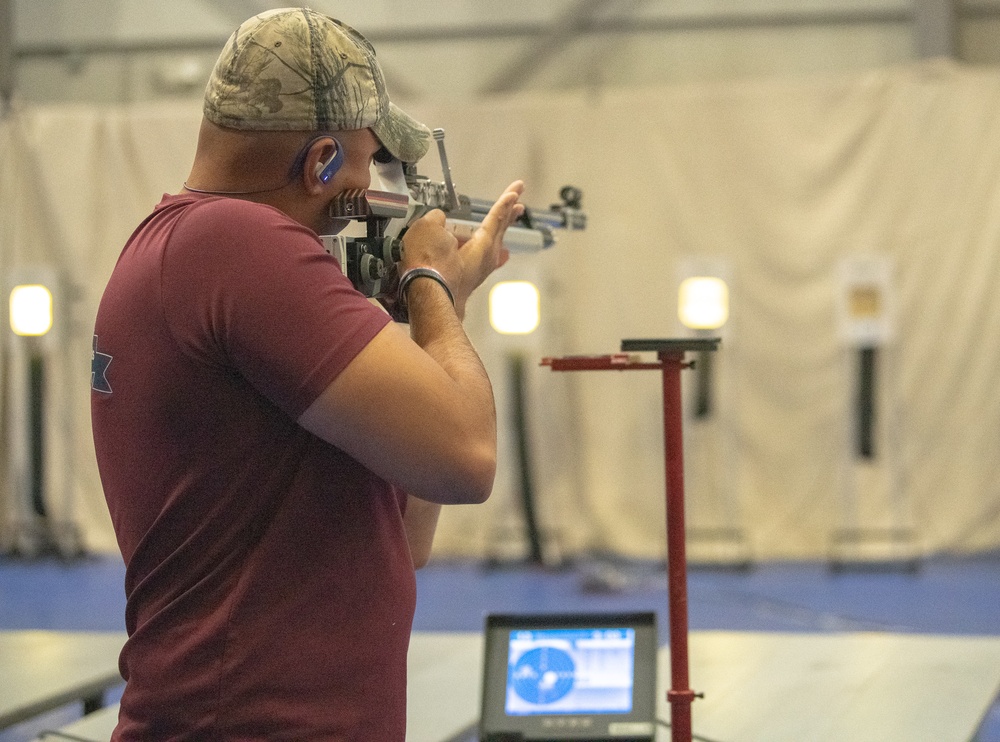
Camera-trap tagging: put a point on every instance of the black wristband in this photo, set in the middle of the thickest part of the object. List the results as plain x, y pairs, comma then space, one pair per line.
407, 278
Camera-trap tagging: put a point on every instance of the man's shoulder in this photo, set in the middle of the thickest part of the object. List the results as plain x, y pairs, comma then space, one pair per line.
232, 212
245, 225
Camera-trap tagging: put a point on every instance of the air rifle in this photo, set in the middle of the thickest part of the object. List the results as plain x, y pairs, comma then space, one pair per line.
370, 261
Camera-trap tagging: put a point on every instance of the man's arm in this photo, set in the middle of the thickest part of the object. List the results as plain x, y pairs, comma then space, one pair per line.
419, 412
420, 522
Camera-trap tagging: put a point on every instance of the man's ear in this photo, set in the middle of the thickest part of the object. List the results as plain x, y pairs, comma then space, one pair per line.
323, 160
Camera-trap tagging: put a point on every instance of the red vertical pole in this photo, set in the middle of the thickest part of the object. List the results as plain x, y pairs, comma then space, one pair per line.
680, 695
671, 362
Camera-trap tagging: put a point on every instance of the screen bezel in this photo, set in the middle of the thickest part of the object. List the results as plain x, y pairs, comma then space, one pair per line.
495, 725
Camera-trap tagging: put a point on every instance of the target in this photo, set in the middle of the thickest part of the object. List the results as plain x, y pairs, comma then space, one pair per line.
543, 675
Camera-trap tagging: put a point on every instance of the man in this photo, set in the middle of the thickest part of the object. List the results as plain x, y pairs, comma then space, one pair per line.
257, 421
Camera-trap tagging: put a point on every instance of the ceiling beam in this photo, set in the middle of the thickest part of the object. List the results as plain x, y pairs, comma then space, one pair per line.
511, 31
935, 28
566, 28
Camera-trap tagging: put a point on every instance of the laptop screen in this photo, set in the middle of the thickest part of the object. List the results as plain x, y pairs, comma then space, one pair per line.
569, 677
570, 671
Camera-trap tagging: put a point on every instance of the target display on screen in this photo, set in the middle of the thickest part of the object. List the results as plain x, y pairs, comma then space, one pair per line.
569, 677
570, 671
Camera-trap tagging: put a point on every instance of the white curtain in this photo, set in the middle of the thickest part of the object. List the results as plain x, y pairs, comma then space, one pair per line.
780, 179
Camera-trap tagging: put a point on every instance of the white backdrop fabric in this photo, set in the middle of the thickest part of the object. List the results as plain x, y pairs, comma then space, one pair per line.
778, 180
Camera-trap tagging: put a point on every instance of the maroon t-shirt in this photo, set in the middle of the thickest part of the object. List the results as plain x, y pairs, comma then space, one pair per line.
269, 584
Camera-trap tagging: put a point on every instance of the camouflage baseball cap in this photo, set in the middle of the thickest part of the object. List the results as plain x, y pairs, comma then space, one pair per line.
293, 69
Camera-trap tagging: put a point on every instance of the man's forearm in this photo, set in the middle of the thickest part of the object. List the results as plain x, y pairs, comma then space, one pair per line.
437, 328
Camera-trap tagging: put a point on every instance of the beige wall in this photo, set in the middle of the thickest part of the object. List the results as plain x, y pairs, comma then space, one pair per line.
783, 178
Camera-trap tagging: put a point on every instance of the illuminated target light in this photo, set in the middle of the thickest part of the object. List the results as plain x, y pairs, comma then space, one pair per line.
703, 306
703, 303
515, 307
30, 310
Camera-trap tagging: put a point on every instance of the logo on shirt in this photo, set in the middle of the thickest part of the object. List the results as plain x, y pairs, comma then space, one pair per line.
99, 363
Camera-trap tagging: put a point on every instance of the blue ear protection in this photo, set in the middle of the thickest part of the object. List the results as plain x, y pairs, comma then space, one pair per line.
326, 170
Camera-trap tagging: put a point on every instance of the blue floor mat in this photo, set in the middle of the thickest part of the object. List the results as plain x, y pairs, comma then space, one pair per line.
944, 596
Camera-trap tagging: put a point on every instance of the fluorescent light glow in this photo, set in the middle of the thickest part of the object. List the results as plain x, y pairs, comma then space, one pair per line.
703, 303
30, 310
515, 307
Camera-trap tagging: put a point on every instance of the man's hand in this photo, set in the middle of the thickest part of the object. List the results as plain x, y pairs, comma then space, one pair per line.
464, 265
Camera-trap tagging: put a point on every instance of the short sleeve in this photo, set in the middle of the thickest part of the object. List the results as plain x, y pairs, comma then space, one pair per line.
250, 291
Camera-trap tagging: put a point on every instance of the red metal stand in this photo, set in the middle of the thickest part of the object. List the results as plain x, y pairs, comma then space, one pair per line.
671, 361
